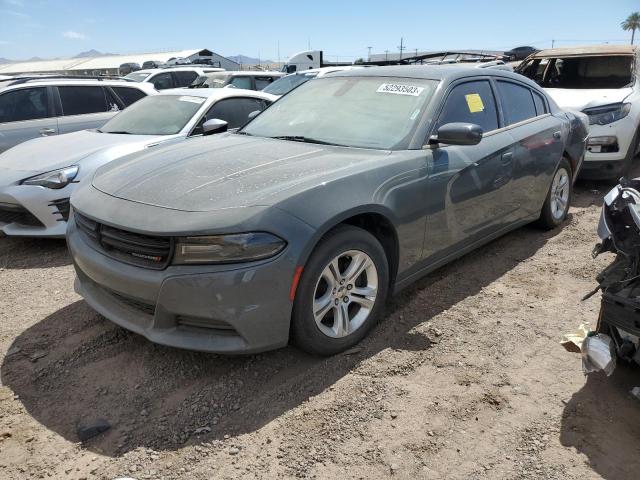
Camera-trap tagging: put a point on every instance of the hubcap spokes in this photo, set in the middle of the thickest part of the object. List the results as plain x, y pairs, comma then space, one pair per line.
345, 294
560, 194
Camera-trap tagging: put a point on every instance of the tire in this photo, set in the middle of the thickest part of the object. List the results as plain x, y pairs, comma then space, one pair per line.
631, 155
551, 215
322, 333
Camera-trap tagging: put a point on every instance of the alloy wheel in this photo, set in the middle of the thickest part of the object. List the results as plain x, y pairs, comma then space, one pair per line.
560, 194
345, 294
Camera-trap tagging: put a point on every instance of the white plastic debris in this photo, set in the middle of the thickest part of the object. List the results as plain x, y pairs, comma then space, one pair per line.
598, 354
572, 342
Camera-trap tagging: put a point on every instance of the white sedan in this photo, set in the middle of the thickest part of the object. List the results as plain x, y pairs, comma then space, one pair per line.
37, 177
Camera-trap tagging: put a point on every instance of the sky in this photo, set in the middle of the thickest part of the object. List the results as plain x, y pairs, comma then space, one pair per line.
276, 29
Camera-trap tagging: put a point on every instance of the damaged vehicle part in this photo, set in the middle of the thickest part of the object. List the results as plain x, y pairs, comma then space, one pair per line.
601, 82
619, 231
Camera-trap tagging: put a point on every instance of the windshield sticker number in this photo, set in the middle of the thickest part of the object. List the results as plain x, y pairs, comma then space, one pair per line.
474, 102
398, 89
198, 100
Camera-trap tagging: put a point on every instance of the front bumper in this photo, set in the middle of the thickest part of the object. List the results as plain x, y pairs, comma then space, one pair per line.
32, 211
231, 309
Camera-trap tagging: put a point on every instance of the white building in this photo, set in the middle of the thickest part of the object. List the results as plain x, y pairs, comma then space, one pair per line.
108, 65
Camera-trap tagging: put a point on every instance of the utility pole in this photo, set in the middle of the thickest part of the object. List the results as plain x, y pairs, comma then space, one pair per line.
386, 56
553, 42
308, 43
401, 47
369, 57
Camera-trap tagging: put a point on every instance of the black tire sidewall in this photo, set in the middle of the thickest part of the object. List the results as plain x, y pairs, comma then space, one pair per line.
305, 332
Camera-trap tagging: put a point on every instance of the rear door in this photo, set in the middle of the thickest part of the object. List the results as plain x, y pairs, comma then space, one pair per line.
26, 113
469, 184
84, 107
538, 143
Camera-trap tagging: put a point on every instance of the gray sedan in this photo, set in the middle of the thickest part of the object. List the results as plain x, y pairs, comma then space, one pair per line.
302, 224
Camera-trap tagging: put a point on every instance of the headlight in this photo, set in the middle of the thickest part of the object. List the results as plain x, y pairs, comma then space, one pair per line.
56, 179
243, 247
607, 113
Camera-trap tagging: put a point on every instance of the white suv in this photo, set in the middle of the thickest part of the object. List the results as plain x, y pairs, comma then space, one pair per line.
32, 107
170, 77
604, 83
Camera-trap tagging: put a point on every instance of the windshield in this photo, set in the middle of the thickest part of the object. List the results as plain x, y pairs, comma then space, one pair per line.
138, 77
607, 71
155, 115
286, 84
365, 112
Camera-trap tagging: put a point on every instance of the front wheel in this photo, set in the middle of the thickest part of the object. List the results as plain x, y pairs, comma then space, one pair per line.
341, 293
556, 205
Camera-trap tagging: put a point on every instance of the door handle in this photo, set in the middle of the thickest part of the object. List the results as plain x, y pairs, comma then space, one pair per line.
557, 135
47, 131
507, 158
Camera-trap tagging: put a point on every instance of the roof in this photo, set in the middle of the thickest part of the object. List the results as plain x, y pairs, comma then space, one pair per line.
218, 93
586, 50
244, 73
428, 72
98, 63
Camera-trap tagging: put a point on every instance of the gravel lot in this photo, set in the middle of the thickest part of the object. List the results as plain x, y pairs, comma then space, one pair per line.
465, 378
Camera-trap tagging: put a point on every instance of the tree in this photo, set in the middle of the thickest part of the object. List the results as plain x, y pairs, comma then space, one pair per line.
359, 61
632, 23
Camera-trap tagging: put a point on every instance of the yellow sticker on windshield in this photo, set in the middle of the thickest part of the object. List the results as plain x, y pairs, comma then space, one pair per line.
474, 102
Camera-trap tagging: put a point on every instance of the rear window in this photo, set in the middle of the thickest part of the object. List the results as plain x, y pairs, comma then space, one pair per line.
607, 71
129, 95
517, 102
79, 100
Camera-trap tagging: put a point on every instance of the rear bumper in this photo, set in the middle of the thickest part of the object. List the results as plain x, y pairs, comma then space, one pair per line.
229, 309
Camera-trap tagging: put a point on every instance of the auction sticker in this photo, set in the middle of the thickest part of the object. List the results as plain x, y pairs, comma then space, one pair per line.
474, 102
197, 100
398, 89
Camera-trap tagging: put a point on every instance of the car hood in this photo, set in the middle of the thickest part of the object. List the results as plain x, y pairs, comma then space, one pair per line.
578, 99
49, 153
228, 171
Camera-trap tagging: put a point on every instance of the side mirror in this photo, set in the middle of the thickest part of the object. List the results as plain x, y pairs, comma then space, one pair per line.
457, 134
253, 114
215, 125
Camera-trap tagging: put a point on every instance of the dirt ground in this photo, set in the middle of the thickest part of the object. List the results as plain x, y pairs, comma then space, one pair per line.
463, 379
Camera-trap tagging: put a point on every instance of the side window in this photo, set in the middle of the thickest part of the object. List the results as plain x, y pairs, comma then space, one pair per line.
517, 102
242, 82
541, 107
235, 111
129, 95
24, 104
162, 81
80, 100
471, 102
262, 82
184, 79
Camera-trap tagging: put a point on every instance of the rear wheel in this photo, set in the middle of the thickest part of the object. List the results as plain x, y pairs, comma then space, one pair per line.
556, 206
341, 293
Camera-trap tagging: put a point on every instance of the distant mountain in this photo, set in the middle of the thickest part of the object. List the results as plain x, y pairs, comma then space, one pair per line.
92, 53
5, 60
244, 60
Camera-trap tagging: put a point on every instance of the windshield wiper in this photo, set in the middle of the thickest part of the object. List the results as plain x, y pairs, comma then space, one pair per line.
300, 138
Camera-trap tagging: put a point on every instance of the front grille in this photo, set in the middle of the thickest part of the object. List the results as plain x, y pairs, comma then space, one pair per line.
141, 250
11, 213
62, 209
144, 307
